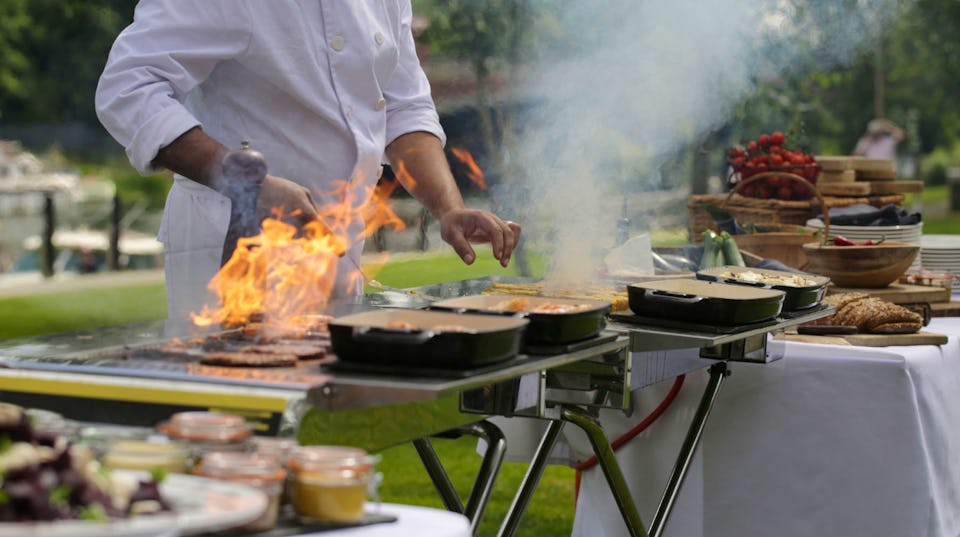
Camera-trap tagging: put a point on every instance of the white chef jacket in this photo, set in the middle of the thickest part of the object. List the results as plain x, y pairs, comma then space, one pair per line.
320, 87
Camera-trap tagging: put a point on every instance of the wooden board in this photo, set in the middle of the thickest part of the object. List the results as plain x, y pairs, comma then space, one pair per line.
839, 176
945, 309
901, 293
870, 340
867, 188
889, 175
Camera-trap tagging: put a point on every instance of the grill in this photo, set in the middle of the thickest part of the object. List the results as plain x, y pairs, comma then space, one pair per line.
140, 375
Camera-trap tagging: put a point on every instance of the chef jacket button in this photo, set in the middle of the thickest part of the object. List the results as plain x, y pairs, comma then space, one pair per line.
379, 172
349, 112
378, 37
337, 43
381, 103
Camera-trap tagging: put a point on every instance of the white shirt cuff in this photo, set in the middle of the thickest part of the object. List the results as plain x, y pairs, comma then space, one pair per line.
158, 132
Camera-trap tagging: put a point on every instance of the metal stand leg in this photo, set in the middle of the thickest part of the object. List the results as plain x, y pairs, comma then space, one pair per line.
441, 481
718, 372
530, 480
610, 466
486, 474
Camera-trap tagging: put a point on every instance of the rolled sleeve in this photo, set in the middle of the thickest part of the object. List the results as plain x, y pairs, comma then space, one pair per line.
159, 131
410, 106
171, 47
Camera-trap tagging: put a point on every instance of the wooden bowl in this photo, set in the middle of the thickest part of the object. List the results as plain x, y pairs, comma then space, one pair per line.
878, 265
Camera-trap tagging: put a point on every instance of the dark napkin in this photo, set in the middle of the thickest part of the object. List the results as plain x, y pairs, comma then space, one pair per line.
862, 214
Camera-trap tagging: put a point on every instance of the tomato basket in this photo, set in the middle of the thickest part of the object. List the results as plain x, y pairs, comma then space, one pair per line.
778, 183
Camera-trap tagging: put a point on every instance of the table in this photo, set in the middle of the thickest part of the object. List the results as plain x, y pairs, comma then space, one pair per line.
412, 521
838, 440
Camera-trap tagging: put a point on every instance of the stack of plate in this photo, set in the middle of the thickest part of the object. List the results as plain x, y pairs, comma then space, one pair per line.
941, 252
907, 233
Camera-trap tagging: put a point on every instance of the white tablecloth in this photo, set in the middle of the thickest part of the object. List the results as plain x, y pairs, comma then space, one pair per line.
412, 521
829, 440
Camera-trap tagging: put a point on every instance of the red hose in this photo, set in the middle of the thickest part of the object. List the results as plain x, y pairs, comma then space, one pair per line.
629, 435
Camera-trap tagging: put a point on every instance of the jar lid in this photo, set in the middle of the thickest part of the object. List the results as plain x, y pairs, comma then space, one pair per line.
207, 426
142, 449
240, 466
330, 459
281, 448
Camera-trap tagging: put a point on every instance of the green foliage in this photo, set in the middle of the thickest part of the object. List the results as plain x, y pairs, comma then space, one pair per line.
934, 166
51, 55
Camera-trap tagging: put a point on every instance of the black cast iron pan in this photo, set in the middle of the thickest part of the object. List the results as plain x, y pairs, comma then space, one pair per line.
426, 338
804, 291
553, 321
703, 302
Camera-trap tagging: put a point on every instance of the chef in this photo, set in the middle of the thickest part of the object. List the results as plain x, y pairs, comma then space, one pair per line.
325, 90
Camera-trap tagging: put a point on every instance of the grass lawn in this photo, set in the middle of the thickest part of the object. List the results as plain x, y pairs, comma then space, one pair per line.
405, 480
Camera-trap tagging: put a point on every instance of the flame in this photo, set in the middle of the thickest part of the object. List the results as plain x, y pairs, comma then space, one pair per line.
474, 173
286, 274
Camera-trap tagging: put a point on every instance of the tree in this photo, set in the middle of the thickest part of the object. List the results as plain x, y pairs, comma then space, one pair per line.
51, 55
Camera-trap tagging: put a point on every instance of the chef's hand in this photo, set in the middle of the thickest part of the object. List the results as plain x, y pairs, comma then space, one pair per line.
281, 196
460, 227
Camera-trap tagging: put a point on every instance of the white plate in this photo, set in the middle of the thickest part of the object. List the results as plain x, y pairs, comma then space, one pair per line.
907, 228
200, 505
940, 242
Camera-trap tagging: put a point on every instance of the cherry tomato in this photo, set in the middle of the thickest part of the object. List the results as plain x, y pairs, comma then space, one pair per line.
777, 138
763, 140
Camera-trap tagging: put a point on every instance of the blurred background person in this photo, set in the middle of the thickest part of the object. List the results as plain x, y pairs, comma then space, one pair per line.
880, 140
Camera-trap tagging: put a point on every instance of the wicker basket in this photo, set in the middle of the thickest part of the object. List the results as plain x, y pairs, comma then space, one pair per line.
770, 211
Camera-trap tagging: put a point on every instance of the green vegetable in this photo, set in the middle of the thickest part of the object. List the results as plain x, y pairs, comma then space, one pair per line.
94, 512
712, 251
60, 495
158, 474
731, 253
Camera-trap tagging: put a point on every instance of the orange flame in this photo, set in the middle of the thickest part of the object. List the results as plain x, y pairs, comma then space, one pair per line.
474, 173
286, 273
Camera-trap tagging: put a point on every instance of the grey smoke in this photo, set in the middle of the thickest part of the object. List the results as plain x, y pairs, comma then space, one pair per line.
636, 81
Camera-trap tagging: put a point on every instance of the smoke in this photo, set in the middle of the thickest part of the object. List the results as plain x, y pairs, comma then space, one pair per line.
632, 83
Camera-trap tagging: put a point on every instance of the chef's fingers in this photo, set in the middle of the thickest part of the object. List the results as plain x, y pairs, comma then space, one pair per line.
286, 201
511, 236
503, 236
454, 234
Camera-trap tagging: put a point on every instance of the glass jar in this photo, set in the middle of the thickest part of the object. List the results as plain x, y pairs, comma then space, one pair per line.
260, 471
100, 437
145, 455
207, 432
48, 425
330, 483
281, 448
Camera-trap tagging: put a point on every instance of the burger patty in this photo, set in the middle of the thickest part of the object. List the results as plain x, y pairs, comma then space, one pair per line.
249, 359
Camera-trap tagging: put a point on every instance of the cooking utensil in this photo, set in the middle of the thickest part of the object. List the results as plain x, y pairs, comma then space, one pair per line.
384, 287
549, 328
797, 297
426, 338
704, 302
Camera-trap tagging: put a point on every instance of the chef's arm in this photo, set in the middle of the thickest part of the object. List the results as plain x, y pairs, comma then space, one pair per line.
422, 168
193, 155
197, 156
